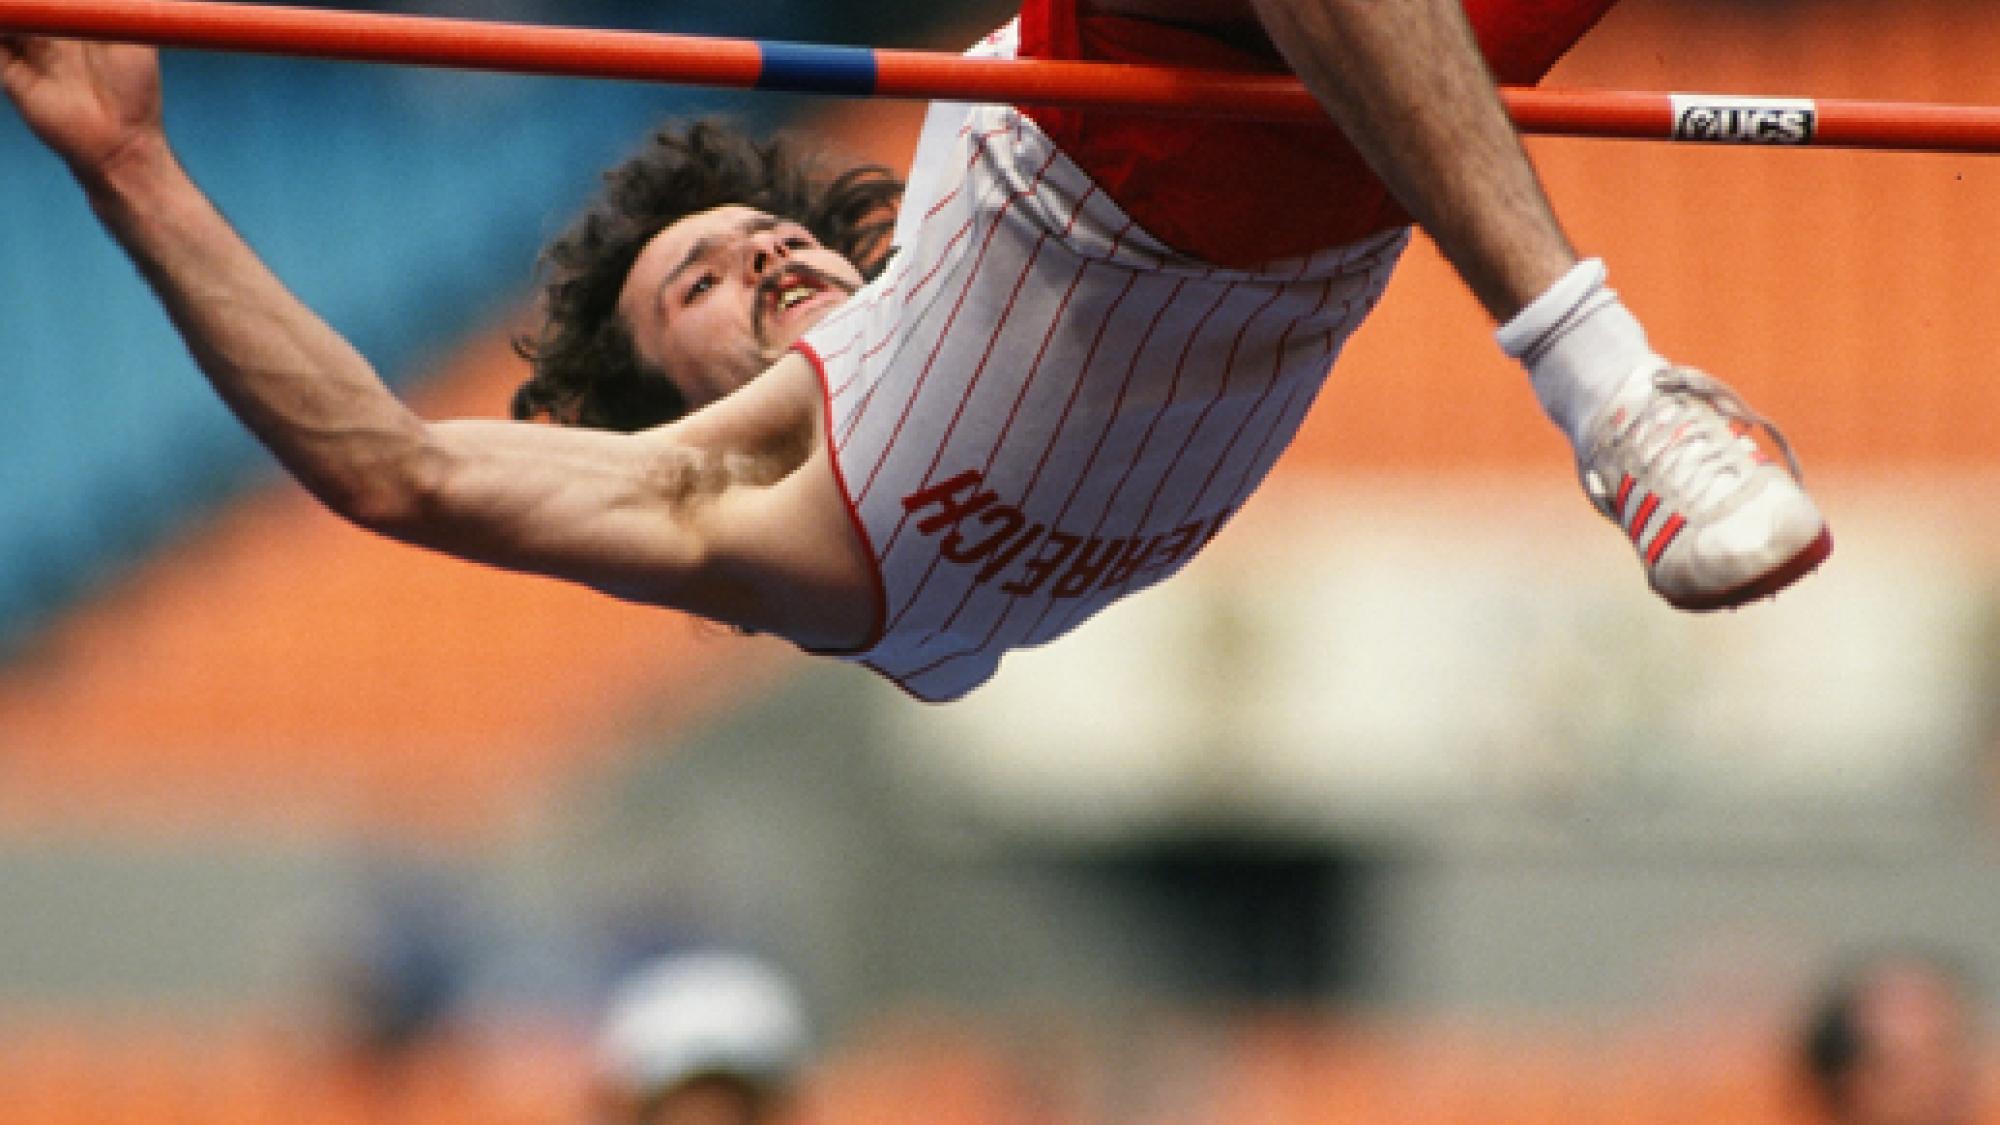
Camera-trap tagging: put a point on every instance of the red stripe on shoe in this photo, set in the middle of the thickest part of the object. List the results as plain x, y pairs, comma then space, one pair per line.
1639, 518
1665, 538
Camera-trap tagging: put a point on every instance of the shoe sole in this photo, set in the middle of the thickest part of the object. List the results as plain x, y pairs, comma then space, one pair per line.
1768, 584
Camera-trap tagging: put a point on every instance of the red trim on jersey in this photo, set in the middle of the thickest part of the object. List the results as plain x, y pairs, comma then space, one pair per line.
1212, 188
875, 629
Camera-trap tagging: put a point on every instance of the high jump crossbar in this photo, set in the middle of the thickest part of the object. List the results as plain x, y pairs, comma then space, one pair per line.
892, 73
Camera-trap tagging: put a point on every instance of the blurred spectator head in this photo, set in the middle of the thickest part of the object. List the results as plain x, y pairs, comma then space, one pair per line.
1891, 1042
700, 1039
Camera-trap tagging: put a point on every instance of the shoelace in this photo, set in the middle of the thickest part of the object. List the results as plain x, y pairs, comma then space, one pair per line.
1673, 439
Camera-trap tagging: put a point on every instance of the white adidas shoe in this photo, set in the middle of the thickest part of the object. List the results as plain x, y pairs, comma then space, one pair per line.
1717, 522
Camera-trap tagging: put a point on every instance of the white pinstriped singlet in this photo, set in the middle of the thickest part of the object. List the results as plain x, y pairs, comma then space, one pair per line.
1037, 408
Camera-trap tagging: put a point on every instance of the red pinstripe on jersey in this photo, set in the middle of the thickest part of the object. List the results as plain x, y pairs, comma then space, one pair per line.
1222, 458
958, 307
892, 336
1041, 464
1014, 411
1039, 408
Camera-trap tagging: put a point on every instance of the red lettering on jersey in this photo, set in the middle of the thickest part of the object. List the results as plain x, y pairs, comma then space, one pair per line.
1187, 540
1037, 570
1133, 560
1088, 567
1178, 544
1077, 564
945, 495
1007, 515
1002, 560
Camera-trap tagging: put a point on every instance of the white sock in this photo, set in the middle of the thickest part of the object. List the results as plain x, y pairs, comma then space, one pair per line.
1580, 346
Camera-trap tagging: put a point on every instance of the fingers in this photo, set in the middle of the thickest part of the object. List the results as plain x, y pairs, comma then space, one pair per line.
16, 46
33, 47
13, 56
41, 56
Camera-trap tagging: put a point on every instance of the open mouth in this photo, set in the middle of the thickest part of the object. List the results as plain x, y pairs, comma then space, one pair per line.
794, 295
793, 288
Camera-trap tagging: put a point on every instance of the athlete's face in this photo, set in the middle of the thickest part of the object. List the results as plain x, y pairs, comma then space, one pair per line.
717, 297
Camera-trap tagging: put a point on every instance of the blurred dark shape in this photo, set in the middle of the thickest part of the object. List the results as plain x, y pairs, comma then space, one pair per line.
1891, 1042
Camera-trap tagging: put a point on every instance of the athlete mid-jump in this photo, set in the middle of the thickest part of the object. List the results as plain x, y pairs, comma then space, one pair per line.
1093, 337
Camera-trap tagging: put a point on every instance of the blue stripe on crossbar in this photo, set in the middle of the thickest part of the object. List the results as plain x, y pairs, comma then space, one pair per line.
816, 69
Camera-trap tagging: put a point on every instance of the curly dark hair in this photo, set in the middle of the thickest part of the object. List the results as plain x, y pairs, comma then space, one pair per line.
585, 371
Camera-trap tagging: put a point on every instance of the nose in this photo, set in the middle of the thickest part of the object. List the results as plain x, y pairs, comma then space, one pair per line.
763, 251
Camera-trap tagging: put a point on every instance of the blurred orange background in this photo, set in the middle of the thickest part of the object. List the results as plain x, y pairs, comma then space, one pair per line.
281, 673
1846, 294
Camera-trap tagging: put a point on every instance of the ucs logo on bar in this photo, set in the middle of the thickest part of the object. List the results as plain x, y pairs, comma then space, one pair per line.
1723, 119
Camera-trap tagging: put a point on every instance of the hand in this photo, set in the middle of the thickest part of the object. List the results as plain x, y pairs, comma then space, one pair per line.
89, 102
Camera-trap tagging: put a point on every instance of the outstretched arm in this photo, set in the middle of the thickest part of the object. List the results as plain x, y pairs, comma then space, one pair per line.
667, 517
1405, 81
292, 380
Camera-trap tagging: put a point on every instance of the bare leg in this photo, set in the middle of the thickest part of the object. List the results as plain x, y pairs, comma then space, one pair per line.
1661, 450
1405, 81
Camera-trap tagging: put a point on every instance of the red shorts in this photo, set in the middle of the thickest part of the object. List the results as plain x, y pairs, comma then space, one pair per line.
1211, 187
